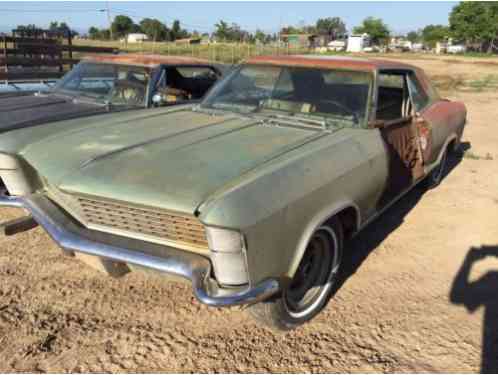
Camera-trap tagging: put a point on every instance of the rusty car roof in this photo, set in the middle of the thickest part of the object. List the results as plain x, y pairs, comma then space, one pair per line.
320, 61
150, 61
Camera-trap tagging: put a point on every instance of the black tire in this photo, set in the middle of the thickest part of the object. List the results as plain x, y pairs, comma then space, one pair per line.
312, 286
434, 178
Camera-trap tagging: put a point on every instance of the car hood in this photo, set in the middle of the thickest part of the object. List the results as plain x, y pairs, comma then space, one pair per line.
173, 161
29, 110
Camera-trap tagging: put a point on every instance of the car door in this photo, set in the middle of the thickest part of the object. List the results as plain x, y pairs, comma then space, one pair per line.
428, 112
399, 129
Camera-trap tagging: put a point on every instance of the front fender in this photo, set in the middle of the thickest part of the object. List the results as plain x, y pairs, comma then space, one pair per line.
317, 221
278, 207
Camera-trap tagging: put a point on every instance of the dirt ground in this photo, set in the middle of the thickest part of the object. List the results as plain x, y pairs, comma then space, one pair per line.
405, 304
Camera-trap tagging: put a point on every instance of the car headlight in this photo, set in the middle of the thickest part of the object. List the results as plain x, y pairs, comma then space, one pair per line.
228, 255
13, 175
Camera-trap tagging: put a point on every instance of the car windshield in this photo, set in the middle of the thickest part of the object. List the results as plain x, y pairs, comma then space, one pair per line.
331, 96
115, 84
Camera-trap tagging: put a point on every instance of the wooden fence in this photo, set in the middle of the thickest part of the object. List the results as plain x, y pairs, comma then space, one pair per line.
40, 56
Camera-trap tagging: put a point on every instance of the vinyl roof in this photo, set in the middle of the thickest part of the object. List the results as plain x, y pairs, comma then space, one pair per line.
320, 61
150, 61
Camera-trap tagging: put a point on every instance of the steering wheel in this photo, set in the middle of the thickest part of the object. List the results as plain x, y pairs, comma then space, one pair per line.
344, 109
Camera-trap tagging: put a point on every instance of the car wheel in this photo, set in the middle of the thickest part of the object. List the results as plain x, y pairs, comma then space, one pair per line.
434, 178
312, 285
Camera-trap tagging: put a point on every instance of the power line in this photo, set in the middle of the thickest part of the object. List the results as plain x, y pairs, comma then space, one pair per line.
5, 10
191, 26
126, 13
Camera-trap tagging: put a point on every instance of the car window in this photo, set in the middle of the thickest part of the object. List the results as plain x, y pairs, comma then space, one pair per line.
391, 81
90, 79
392, 98
335, 96
196, 72
182, 83
116, 84
417, 93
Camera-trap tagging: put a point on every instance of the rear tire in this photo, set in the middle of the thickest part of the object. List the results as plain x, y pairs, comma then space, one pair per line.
312, 285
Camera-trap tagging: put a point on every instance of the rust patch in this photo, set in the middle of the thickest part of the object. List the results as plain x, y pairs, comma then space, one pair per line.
150, 61
363, 64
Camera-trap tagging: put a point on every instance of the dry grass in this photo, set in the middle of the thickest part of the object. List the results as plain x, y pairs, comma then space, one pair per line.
229, 53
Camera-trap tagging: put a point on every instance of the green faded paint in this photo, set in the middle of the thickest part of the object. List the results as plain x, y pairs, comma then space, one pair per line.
274, 183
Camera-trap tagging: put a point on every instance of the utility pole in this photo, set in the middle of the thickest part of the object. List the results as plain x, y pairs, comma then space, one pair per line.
109, 18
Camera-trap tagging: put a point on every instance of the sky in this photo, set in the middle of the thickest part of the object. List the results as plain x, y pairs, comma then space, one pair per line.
401, 16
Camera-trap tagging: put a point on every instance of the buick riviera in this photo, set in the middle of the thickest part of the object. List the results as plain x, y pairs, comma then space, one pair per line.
251, 194
110, 83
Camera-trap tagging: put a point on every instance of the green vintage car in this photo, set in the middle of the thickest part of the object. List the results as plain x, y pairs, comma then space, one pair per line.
251, 194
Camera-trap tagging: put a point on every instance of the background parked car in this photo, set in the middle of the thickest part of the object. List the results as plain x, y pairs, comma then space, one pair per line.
108, 83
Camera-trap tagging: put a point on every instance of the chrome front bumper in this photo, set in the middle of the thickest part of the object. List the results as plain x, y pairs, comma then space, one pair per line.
71, 236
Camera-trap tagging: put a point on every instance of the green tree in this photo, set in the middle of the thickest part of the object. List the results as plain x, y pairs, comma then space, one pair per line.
222, 31
414, 36
122, 26
93, 32
54, 26
154, 29
431, 34
61, 28
375, 28
260, 36
177, 32
334, 27
99, 34
475, 23
292, 30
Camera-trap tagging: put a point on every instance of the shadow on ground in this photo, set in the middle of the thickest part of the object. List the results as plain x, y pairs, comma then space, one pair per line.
482, 292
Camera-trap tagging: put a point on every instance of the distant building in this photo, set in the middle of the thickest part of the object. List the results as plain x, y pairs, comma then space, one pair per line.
456, 48
417, 47
337, 45
400, 43
441, 47
136, 38
356, 43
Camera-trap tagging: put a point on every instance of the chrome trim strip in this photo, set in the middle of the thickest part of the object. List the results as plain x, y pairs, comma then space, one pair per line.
190, 266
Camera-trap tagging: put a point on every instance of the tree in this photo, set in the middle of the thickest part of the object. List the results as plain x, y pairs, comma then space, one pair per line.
54, 26
122, 26
238, 35
291, 30
61, 28
154, 29
334, 27
177, 32
475, 23
223, 31
375, 28
260, 36
93, 32
414, 36
98, 34
431, 34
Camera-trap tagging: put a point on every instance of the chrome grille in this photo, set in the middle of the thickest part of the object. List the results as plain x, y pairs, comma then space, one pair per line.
158, 224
